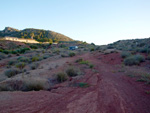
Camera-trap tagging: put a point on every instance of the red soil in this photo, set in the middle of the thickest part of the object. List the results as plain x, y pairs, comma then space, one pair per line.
109, 92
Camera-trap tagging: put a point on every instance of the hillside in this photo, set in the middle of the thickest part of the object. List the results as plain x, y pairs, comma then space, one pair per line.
37, 34
137, 45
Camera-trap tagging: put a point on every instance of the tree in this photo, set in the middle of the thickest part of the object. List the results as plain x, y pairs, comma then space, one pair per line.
32, 35
50, 41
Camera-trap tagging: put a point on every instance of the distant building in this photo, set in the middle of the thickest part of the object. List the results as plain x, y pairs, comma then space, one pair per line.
21, 40
73, 47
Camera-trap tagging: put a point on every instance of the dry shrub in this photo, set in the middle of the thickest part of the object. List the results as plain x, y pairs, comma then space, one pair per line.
25, 84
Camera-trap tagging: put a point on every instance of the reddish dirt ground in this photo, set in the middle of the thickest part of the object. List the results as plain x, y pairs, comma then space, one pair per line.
110, 91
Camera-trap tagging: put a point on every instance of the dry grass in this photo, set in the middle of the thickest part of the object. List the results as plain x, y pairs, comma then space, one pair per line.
25, 84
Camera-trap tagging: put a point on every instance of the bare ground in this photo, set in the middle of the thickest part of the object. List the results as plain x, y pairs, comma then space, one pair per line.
110, 91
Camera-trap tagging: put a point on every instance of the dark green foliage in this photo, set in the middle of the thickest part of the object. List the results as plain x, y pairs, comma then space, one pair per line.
33, 47
1, 50
61, 77
6, 51
14, 52
134, 60
91, 65
11, 72
83, 85
71, 54
92, 49
12, 62
71, 72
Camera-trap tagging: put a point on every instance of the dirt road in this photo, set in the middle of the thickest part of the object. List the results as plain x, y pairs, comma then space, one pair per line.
110, 91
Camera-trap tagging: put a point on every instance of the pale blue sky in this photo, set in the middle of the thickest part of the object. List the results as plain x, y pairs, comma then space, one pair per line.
98, 21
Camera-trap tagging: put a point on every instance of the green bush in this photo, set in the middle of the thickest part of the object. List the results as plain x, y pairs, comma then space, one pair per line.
20, 65
71, 54
125, 54
83, 85
84, 62
11, 72
61, 77
71, 72
1, 50
35, 58
91, 65
6, 51
92, 49
33, 47
134, 60
14, 52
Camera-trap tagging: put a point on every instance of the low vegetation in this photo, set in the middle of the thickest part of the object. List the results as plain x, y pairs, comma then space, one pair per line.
61, 77
25, 84
125, 54
11, 72
71, 72
71, 54
134, 60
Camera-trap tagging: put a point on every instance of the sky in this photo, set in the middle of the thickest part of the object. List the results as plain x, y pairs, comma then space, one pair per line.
94, 21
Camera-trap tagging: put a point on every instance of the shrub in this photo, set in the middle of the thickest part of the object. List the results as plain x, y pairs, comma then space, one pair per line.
92, 49
61, 77
12, 62
2, 56
134, 60
25, 84
20, 65
148, 57
71, 54
34, 66
83, 85
23, 59
64, 55
140, 58
84, 62
125, 54
71, 72
35, 58
1, 50
45, 56
33, 47
91, 65
11, 72
79, 60
14, 52
35, 84
6, 51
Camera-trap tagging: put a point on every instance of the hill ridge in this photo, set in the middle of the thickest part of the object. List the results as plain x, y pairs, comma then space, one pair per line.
40, 35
